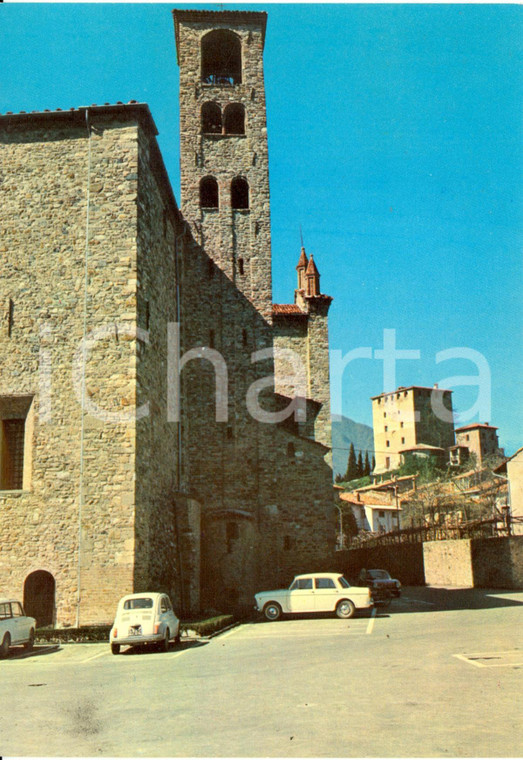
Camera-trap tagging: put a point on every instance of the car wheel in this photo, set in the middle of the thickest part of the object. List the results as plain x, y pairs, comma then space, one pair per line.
272, 611
164, 645
115, 648
6, 643
345, 609
30, 644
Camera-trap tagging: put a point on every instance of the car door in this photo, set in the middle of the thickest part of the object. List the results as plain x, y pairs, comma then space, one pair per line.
167, 617
20, 623
326, 594
301, 595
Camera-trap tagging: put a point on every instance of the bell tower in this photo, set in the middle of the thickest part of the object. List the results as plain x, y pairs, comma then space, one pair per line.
223, 144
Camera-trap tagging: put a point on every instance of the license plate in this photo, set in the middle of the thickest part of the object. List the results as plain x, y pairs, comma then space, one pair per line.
135, 631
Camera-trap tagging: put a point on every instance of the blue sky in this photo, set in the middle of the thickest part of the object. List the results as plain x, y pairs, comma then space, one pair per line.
395, 141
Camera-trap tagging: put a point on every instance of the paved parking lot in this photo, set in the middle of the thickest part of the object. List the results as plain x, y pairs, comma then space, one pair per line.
439, 674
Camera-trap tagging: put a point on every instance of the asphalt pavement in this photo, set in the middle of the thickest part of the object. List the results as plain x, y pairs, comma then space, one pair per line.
439, 674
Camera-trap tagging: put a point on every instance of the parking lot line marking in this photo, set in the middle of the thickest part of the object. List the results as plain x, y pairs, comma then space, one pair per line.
474, 659
177, 654
370, 626
272, 636
469, 662
233, 630
95, 656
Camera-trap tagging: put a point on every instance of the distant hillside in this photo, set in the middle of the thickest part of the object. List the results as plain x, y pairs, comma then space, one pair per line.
344, 433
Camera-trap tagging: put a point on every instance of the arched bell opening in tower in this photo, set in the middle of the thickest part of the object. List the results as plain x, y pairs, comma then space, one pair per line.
221, 58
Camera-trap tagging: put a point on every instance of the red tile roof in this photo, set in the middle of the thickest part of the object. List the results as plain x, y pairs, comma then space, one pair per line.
475, 425
368, 499
288, 309
303, 261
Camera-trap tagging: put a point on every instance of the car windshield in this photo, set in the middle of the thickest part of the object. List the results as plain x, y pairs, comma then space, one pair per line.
379, 574
345, 583
140, 603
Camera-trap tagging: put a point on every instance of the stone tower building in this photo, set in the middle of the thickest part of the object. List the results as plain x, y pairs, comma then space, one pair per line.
481, 439
144, 442
224, 158
408, 418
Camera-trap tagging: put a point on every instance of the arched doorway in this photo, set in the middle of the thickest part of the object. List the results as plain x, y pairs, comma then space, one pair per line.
39, 591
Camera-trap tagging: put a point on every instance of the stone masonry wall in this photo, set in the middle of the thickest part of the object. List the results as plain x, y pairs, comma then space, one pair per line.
157, 563
448, 563
498, 562
44, 186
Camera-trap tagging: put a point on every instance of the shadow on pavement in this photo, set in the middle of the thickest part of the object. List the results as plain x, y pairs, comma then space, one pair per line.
151, 649
18, 653
261, 620
430, 599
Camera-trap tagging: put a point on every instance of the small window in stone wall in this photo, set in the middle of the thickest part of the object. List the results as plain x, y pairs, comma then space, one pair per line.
241, 268
239, 193
211, 338
208, 192
211, 118
244, 338
14, 412
291, 451
13, 436
234, 119
288, 543
10, 317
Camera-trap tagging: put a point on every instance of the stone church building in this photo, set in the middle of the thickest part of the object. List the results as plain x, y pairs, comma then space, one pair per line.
145, 379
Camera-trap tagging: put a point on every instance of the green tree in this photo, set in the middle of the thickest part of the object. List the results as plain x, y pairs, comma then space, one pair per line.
373, 463
360, 465
352, 465
366, 466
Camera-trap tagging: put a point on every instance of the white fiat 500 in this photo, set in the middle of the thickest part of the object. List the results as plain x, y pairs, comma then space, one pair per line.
146, 618
315, 592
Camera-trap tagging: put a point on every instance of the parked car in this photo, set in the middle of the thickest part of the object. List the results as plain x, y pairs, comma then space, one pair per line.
146, 618
315, 592
383, 587
16, 628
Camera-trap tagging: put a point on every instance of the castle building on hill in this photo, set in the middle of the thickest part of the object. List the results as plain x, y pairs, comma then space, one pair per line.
152, 435
414, 420
479, 439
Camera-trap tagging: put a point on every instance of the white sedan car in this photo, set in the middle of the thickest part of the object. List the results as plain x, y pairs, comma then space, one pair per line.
16, 627
146, 618
315, 592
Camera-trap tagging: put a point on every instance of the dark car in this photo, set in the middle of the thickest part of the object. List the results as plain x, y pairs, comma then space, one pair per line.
383, 587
